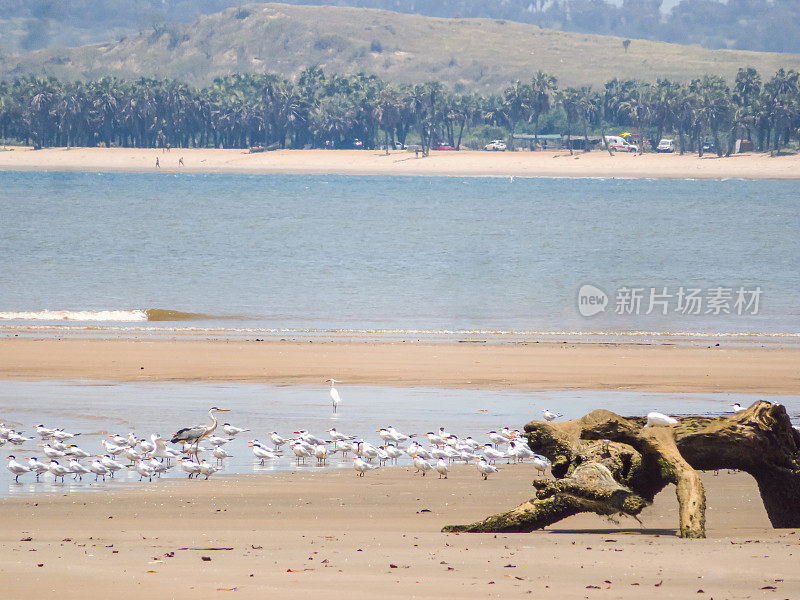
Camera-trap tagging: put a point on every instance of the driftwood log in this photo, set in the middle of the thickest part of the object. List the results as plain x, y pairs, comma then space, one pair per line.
613, 465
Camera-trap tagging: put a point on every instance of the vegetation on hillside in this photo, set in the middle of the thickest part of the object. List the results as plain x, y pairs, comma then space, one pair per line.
765, 25
466, 54
319, 110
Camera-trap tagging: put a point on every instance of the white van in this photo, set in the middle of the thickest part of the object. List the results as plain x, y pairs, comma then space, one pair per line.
619, 144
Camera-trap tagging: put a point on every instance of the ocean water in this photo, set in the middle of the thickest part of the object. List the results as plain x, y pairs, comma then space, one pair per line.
97, 409
293, 255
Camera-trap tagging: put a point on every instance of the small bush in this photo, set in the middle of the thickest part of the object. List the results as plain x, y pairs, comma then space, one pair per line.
376, 46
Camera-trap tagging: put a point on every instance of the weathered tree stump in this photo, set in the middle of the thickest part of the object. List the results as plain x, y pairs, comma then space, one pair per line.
613, 465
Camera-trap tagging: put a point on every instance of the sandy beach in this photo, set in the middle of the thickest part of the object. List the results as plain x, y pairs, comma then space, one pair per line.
442, 163
330, 533
335, 535
519, 366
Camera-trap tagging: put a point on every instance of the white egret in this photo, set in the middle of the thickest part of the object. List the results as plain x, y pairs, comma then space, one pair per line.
335, 398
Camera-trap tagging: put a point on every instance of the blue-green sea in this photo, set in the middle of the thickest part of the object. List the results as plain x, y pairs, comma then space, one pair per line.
344, 254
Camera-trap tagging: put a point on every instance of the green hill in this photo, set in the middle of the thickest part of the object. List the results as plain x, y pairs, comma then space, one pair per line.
471, 54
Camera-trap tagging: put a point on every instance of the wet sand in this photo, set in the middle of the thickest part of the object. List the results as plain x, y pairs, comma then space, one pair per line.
463, 164
336, 535
517, 366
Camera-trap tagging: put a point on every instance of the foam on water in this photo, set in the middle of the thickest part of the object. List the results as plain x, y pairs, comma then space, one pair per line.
115, 316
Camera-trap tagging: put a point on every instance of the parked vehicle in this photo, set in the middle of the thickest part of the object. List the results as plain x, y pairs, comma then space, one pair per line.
352, 144
496, 145
444, 147
709, 147
666, 145
618, 144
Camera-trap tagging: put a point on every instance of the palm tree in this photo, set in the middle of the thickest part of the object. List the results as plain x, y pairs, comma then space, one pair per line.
781, 103
516, 106
543, 86
713, 108
571, 100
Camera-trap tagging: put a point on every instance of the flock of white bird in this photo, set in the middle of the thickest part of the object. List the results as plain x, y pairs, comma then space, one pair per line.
150, 457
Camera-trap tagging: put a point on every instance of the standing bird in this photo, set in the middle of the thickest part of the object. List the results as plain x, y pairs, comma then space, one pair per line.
441, 467
485, 468
737, 407
550, 416
421, 465
207, 469
262, 453
37, 466
189, 466
16, 468
277, 440
361, 467
99, 469
231, 430
335, 398
193, 435
110, 464
58, 470
220, 454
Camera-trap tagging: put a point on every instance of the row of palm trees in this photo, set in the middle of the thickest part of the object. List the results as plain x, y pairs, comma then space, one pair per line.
319, 110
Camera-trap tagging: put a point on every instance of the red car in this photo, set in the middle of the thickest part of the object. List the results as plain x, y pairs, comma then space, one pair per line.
443, 147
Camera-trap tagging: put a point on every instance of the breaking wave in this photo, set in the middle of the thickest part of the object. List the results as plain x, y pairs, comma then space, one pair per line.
116, 316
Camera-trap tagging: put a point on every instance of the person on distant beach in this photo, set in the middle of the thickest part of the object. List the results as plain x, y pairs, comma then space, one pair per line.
158, 165
180, 161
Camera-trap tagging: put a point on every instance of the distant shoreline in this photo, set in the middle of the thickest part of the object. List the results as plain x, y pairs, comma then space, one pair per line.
465, 163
